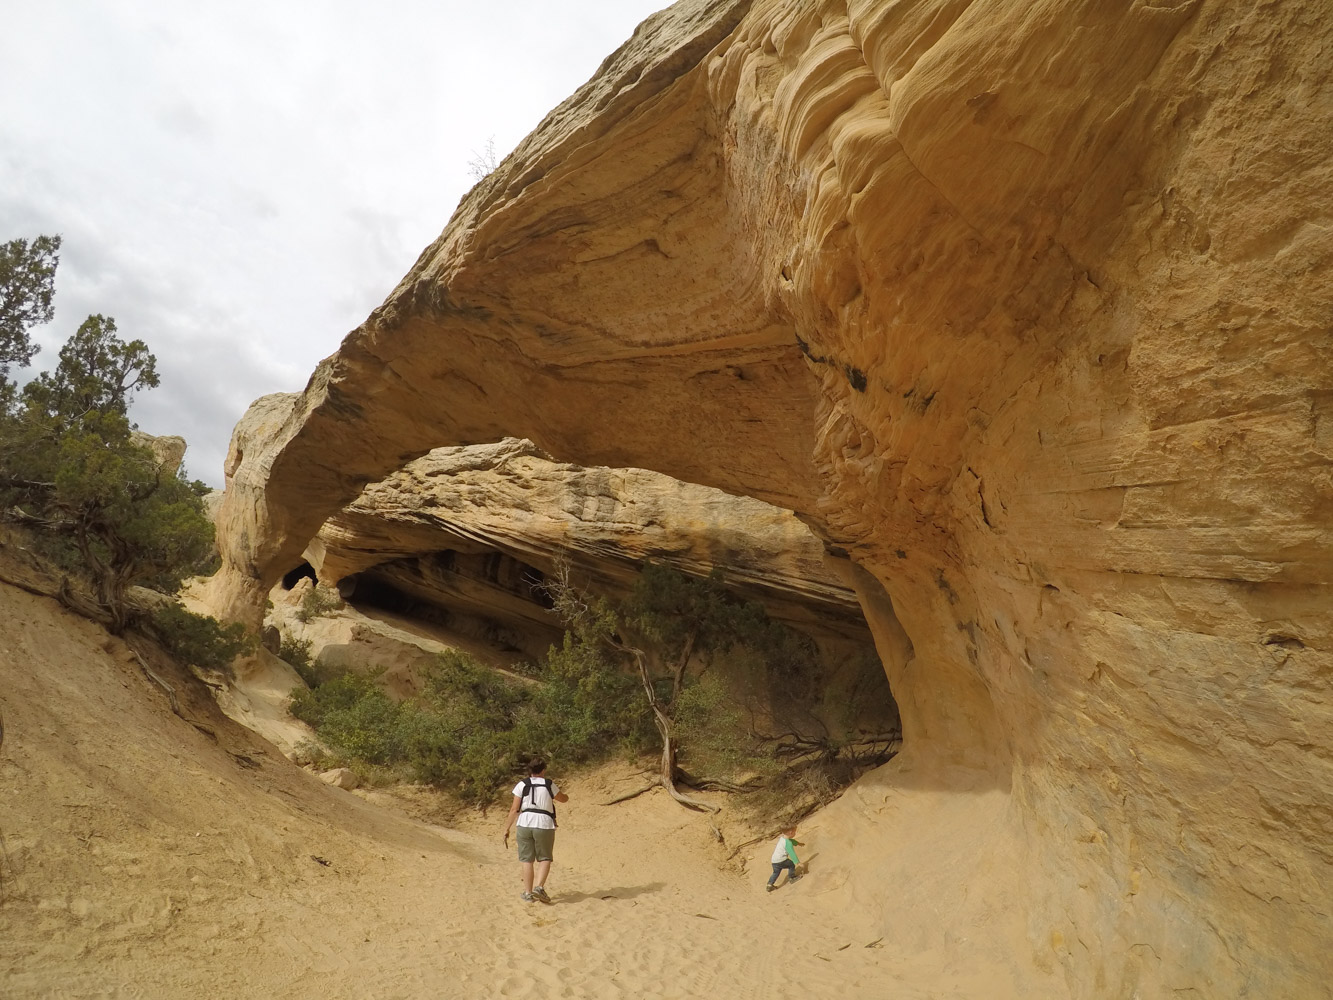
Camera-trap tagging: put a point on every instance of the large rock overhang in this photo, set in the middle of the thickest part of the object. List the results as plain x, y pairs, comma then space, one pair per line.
584, 296
1026, 309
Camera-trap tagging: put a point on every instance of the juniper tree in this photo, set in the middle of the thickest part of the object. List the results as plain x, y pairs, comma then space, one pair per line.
68, 465
27, 286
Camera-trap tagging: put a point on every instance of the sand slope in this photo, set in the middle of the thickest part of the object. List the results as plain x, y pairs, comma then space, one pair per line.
145, 857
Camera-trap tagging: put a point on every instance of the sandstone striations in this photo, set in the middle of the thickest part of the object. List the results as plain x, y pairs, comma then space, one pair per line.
510, 501
1027, 309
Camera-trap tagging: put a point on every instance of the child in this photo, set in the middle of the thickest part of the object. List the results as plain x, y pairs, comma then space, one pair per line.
784, 856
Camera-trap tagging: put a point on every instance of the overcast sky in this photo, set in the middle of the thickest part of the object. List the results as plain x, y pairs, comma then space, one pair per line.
240, 183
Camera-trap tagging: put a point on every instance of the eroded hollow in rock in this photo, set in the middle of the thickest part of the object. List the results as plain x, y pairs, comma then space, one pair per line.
499, 607
294, 576
463, 595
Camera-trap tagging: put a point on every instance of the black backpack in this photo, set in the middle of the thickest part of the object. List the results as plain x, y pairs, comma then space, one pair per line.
528, 787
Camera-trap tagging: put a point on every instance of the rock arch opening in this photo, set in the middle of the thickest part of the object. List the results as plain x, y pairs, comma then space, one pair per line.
1054, 356
294, 576
464, 540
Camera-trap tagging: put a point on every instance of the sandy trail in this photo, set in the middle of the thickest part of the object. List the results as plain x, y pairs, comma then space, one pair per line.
147, 857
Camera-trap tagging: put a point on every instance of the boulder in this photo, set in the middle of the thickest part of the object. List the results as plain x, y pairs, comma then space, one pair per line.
270, 638
340, 777
167, 449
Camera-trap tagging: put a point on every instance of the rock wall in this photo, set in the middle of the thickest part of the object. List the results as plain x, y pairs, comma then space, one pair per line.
509, 500
1026, 308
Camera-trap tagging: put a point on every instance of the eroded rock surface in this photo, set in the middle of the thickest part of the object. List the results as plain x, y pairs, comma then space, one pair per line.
511, 500
167, 449
1027, 308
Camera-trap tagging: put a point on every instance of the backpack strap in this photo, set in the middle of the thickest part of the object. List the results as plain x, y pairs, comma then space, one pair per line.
528, 796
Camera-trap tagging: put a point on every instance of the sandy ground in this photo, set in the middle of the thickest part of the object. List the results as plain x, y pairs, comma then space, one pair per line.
145, 855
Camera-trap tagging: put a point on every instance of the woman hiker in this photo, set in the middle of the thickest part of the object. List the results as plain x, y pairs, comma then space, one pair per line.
534, 806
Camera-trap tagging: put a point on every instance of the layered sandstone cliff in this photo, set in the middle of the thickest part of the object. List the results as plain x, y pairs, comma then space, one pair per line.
1024, 307
513, 507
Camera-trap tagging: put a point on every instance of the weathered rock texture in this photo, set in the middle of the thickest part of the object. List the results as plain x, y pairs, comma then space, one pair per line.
512, 507
1027, 308
168, 449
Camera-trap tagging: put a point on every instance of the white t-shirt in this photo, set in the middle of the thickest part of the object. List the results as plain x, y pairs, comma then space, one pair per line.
780, 851
542, 796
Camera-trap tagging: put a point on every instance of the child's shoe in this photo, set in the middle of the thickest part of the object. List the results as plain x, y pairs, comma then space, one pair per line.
770, 887
793, 878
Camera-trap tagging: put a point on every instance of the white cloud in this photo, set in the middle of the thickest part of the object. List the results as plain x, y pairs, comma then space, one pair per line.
240, 183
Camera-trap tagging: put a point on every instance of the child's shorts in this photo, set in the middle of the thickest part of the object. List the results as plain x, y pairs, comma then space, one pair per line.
535, 844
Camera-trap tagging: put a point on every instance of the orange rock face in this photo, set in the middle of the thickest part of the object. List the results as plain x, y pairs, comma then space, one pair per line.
1027, 308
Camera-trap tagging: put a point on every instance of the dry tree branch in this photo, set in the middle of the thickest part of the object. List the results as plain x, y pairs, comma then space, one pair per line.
656, 783
678, 675
721, 785
171, 691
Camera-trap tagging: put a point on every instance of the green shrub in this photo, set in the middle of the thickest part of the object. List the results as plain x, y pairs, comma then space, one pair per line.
587, 704
340, 693
369, 729
296, 653
199, 640
471, 728
714, 738
318, 602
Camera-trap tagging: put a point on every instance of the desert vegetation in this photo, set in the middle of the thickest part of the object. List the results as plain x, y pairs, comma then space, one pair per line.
680, 668
316, 603
96, 504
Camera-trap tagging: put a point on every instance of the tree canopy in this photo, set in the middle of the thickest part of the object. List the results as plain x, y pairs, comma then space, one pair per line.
98, 373
27, 286
69, 465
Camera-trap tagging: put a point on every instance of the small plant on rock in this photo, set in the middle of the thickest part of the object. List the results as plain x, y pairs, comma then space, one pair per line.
318, 602
296, 654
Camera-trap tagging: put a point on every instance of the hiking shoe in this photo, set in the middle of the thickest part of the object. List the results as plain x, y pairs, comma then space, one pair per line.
539, 894
527, 897
793, 878
770, 887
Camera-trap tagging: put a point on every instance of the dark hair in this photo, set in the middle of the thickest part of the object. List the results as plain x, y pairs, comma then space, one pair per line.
536, 765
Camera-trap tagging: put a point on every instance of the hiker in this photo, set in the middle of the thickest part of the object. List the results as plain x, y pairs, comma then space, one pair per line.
534, 807
784, 858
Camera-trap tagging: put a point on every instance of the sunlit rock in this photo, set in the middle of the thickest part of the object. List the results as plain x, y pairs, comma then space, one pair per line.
1027, 309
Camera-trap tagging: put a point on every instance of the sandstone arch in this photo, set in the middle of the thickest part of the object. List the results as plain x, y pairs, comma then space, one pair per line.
1025, 307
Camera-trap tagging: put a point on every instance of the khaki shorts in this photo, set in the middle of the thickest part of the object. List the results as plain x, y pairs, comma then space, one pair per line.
535, 844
